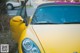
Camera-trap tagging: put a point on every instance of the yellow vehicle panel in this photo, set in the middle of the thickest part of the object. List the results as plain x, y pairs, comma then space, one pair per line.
54, 38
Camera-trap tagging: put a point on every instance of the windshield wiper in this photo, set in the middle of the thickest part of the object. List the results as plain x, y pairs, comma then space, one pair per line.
44, 23
57, 23
72, 23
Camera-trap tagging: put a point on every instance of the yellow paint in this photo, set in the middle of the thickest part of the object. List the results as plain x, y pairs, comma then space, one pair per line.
28, 33
63, 38
17, 26
59, 38
22, 37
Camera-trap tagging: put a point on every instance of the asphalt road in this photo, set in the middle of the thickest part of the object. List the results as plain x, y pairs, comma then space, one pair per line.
30, 11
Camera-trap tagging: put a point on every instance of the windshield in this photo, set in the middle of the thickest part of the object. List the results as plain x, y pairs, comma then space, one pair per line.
57, 14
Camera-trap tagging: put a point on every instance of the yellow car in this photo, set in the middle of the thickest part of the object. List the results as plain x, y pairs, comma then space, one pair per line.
54, 28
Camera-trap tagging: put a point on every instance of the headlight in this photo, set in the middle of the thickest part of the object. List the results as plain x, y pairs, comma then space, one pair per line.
28, 46
35, 50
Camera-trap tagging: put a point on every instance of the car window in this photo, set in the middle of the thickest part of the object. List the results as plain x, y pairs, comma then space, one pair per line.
59, 14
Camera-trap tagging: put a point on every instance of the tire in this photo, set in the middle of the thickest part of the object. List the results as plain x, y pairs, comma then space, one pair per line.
10, 7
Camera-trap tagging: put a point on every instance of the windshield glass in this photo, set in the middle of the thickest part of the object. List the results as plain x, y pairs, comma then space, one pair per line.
57, 14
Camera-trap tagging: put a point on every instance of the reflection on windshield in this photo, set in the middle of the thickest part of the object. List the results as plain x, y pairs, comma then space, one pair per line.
57, 15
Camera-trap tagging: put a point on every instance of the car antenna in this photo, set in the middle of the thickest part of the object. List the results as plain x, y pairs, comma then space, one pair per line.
22, 12
25, 13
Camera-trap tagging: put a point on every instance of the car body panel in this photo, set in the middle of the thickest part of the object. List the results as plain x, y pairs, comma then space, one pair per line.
29, 33
62, 38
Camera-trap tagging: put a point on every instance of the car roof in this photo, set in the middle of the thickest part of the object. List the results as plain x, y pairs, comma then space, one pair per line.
59, 3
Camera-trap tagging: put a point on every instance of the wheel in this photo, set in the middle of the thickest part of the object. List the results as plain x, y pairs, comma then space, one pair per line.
10, 6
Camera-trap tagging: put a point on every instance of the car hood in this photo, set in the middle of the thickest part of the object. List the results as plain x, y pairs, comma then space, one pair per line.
63, 38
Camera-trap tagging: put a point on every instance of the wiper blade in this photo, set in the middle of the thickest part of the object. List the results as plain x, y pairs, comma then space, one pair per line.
45, 23
72, 23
